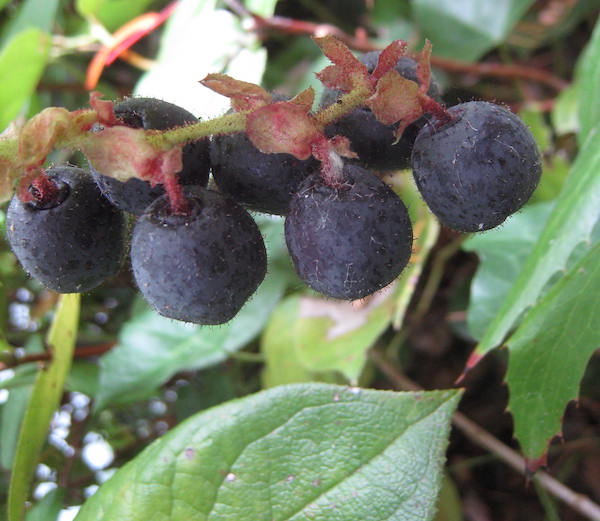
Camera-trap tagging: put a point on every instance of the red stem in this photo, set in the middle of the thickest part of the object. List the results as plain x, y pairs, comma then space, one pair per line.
179, 202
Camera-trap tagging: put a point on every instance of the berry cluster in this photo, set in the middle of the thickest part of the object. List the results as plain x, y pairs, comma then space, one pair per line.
348, 235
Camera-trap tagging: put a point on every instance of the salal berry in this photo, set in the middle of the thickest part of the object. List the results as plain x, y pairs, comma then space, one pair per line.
135, 195
478, 169
200, 267
72, 242
261, 182
373, 141
348, 241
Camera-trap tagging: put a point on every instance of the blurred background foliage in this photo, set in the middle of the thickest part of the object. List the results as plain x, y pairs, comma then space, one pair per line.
135, 375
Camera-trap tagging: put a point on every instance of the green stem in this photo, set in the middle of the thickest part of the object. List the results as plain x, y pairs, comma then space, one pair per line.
226, 124
342, 106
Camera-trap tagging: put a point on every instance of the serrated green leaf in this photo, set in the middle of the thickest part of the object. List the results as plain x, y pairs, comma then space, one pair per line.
151, 348
306, 451
44, 400
549, 353
475, 26
588, 79
22, 63
502, 253
571, 222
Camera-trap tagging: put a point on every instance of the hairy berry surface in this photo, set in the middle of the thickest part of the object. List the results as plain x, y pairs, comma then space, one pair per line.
350, 241
477, 170
135, 195
72, 243
373, 141
262, 182
200, 267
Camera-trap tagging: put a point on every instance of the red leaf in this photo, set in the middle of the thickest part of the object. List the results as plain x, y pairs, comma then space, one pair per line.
348, 72
396, 99
105, 109
389, 58
305, 99
283, 127
37, 137
424, 67
122, 152
244, 96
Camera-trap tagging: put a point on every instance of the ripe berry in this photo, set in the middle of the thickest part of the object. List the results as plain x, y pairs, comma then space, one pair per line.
478, 169
369, 138
350, 241
200, 267
135, 195
73, 242
262, 182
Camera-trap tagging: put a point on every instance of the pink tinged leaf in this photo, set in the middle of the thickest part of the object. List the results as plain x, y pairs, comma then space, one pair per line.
424, 67
105, 109
122, 152
304, 99
9, 172
283, 127
396, 99
389, 58
39, 134
244, 96
348, 72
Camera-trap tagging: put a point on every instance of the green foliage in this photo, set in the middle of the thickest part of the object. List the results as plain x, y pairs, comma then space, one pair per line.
571, 222
305, 450
588, 81
22, 62
549, 353
476, 26
112, 13
45, 397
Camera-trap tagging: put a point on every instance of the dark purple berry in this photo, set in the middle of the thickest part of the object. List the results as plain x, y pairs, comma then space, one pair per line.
200, 267
135, 195
261, 182
73, 242
373, 141
478, 169
350, 241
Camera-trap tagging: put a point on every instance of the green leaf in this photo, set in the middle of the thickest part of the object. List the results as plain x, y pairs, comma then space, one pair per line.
48, 508
11, 418
466, 29
200, 39
112, 13
571, 222
265, 8
277, 345
22, 63
305, 451
502, 253
588, 79
549, 353
38, 14
565, 113
44, 400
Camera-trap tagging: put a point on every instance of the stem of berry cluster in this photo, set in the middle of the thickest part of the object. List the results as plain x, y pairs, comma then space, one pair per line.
345, 104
